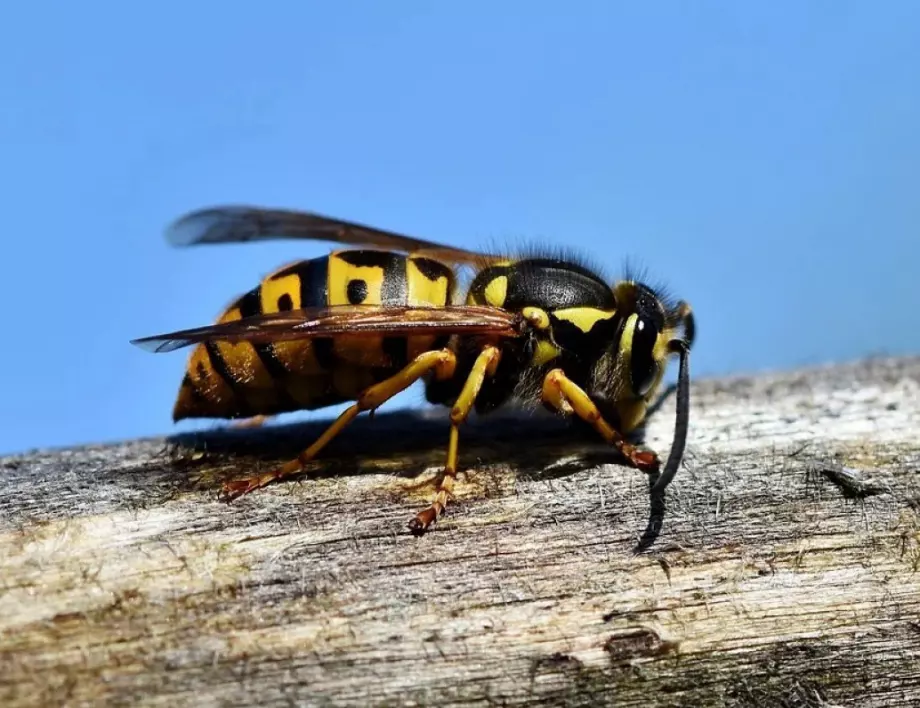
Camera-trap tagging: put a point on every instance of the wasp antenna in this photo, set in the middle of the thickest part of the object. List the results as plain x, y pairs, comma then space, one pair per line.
678, 346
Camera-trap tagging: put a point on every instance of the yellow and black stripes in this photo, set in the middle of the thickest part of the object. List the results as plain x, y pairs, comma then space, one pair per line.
229, 380
546, 283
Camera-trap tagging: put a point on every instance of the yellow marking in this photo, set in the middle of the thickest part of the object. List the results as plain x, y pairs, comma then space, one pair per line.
254, 384
210, 385
624, 293
496, 291
583, 317
274, 288
341, 273
485, 365
365, 351
545, 352
297, 356
422, 291
630, 415
626, 338
216, 396
659, 352
241, 358
370, 399
537, 317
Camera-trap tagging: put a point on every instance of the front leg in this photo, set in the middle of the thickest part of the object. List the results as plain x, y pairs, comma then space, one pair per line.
567, 397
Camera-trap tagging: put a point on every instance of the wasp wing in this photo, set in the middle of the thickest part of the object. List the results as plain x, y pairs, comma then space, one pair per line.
368, 320
237, 224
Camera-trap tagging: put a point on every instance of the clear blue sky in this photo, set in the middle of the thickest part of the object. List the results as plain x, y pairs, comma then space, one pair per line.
761, 158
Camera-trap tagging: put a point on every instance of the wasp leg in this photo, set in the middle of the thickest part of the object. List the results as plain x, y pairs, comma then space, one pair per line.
485, 365
563, 394
257, 421
442, 362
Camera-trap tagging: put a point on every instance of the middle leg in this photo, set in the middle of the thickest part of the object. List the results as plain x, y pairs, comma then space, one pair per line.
485, 365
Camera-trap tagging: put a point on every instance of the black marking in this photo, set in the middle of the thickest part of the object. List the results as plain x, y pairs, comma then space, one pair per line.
440, 342
393, 288
314, 292
396, 350
356, 291
604, 335
208, 407
240, 406
313, 275
251, 304
649, 306
369, 259
220, 365
432, 270
285, 303
324, 349
547, 283
314, 283
482, 280
642, 364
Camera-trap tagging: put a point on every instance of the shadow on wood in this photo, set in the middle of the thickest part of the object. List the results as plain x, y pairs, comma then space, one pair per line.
407, 445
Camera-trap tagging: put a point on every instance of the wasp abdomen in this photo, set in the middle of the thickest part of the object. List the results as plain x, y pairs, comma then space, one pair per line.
242, 379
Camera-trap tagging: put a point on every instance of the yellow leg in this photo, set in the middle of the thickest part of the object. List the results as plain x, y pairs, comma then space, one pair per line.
485, 365
566, 396
442, 362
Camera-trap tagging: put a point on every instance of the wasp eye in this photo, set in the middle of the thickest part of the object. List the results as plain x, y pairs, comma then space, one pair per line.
643, 367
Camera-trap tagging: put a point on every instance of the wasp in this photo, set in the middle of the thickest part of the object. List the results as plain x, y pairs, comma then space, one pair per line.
362, 324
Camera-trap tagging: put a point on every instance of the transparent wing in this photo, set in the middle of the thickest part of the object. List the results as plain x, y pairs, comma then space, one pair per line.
237, 224
369, 320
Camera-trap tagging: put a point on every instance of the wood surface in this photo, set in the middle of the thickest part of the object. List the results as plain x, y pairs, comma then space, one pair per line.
786, 572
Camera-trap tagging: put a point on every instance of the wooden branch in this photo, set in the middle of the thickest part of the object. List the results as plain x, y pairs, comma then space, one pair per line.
786, 572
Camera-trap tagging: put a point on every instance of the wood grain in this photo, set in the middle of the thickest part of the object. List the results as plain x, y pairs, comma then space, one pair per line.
786, 572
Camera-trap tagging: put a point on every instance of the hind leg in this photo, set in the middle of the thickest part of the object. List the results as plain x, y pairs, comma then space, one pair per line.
442, 362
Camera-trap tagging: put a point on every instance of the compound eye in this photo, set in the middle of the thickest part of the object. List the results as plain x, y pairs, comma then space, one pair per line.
643, 367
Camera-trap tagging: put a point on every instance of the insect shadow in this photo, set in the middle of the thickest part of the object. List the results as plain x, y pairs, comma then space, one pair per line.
533, 445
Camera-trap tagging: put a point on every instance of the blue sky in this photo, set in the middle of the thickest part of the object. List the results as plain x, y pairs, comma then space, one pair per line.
763, 159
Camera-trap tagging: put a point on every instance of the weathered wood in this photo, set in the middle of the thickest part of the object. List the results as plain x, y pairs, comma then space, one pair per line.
786, 572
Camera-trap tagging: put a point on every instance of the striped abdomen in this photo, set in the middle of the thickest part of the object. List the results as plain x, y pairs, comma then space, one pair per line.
238, 380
